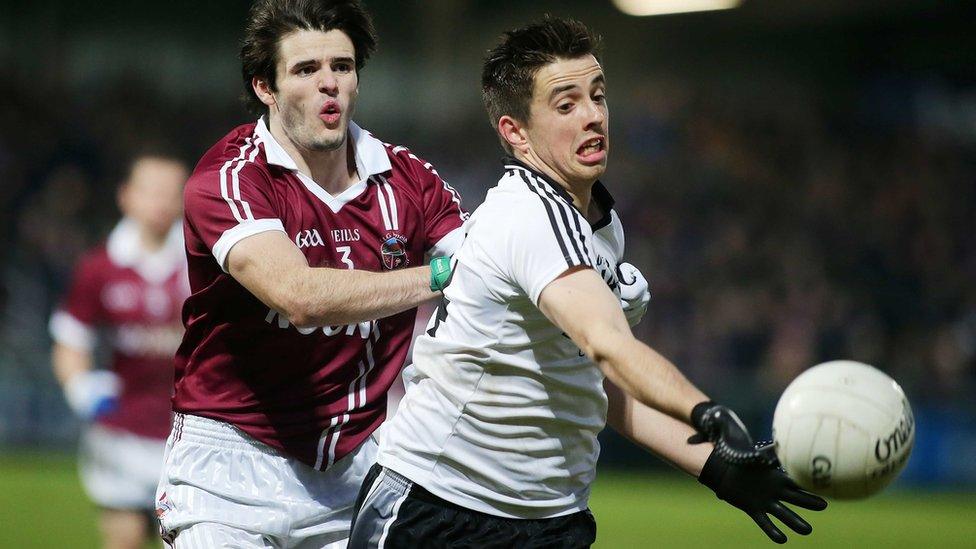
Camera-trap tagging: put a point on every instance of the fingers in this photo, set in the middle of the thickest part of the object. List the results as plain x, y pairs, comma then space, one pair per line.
767, 526
794, 521
801, 498
697, 438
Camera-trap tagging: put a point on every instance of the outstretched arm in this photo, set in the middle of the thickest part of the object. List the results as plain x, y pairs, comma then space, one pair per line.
581, 305
653, 404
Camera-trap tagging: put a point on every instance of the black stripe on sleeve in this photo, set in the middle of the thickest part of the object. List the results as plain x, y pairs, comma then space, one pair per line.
573, 212
552, 221
573, 257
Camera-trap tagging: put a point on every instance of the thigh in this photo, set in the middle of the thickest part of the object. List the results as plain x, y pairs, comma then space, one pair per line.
212, 535
123, 529
324, 520
205, 482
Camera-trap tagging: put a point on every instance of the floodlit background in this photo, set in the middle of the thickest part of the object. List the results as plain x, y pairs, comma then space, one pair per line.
797, 180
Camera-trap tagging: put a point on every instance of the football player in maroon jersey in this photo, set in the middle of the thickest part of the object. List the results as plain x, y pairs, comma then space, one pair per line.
131, 290
307, 240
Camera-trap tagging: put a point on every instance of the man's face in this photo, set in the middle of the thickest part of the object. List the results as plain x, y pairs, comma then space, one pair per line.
153, 195
317, 88
569, 123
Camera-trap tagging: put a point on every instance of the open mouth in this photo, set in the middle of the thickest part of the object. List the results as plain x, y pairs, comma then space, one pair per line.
330, 112
592, 150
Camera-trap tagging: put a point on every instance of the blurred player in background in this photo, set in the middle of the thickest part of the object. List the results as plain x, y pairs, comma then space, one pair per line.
528, 356
130, 290
306, 240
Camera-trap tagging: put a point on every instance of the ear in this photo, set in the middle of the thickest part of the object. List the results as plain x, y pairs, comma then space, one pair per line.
513, 132
122, 197
263, 90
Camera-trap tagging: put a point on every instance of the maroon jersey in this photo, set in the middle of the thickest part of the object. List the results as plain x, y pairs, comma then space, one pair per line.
314, 393
134, 298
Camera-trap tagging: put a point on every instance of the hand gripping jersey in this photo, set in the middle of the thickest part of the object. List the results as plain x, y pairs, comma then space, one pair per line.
313, 393
134, 296
502, 409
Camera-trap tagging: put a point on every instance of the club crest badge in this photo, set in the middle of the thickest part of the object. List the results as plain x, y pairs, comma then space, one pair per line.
394, 251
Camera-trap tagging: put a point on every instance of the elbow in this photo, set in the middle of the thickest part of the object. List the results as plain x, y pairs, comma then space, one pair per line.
294, 305
605, 348
299, 312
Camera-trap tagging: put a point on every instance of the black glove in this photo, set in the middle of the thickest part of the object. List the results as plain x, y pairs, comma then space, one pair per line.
719, 425
748, 476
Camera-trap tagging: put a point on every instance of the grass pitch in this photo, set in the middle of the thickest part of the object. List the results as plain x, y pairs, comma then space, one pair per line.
42, 505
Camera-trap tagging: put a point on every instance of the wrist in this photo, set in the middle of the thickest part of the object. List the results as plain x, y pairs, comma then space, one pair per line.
712, 471
698, 413
440, 273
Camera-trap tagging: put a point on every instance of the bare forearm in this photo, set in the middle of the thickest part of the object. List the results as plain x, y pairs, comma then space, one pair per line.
323, 297
660, 434
274, 270
646, 375
69, 362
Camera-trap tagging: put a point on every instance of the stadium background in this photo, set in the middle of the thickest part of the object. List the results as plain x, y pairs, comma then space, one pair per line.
797, 179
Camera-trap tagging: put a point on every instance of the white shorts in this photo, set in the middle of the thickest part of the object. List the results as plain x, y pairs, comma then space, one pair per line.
118, 469
222, 488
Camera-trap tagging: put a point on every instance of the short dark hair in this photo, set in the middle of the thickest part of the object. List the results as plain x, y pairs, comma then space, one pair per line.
271, 20
149, 150
509, 69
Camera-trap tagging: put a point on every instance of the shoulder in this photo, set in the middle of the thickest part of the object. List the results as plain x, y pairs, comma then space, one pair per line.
238, 156
234, 145
410, 169
94, 263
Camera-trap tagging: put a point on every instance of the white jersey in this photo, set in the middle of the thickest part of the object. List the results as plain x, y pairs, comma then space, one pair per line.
502, 409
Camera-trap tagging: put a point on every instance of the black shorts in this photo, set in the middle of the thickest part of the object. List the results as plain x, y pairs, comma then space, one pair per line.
393, 512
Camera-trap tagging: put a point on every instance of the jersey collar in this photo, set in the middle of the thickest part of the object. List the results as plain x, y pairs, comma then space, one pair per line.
600, 194
371, 158
125, 249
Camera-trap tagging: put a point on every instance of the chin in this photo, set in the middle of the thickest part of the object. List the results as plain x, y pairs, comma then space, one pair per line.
324, 145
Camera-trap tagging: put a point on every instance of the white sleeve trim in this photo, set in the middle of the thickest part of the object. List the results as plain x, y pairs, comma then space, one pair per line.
243, 230
448, 244
68, 330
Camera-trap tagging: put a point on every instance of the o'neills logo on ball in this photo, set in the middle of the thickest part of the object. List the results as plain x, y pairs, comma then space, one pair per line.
902, 435
820, 467
394, 251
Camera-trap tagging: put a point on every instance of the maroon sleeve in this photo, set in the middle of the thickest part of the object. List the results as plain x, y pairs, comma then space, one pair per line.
442, 205
225, 206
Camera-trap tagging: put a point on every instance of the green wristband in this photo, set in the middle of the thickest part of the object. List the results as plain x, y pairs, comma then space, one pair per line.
440, 273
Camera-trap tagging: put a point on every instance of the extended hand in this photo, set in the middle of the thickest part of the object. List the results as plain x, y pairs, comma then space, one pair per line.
759, 490
93, 393
747, 476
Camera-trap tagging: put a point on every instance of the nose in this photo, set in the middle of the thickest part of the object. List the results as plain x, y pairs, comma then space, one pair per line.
595, 115
328, 83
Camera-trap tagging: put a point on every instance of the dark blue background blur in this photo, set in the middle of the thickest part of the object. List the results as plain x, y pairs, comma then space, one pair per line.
797, 179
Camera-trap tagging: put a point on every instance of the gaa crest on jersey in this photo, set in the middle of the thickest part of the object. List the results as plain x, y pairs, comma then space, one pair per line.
394, 251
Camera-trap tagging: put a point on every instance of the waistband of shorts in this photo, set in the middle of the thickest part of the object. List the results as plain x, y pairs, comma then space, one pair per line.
212, 432
396, 481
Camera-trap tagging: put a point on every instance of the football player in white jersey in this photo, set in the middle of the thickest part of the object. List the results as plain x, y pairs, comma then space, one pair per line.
529, 355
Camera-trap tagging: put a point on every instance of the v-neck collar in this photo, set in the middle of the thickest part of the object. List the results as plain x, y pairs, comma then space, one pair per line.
369, 152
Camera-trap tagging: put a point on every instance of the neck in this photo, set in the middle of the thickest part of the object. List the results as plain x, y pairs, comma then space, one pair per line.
334, 171
151, 240
580, 191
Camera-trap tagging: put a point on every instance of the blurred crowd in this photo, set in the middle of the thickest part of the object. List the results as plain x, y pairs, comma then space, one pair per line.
779, 225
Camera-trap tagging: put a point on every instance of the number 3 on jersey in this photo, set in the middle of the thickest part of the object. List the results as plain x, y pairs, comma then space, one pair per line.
345, 251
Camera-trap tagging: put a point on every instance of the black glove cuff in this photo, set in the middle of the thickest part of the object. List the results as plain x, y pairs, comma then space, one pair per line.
698, 415
713, 471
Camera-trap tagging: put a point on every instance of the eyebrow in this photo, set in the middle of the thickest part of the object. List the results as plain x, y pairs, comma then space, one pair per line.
599, 79
306, 62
